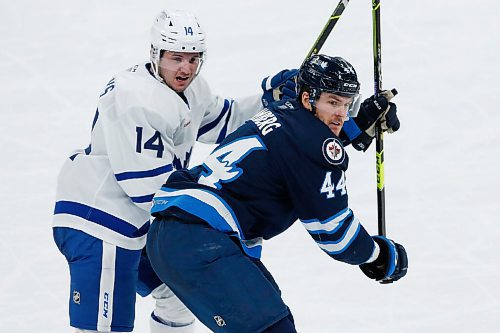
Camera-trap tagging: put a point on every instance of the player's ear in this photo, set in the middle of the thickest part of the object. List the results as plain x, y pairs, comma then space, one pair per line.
304, 99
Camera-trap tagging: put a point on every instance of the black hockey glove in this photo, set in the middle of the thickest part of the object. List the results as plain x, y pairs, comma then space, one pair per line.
279, 87
373, 111
391, 263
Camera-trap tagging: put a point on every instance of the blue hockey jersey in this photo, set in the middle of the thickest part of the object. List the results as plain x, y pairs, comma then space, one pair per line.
282, 165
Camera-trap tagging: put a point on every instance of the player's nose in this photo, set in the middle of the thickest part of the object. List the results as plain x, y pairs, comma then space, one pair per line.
340, 112
185, 67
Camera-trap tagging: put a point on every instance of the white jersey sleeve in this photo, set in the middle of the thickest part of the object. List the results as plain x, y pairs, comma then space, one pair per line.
223, 115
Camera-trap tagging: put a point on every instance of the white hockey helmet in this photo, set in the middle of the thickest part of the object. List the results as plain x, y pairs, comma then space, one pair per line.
178, 31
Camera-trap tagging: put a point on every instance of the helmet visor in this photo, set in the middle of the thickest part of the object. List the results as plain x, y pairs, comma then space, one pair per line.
182, 61
353, 109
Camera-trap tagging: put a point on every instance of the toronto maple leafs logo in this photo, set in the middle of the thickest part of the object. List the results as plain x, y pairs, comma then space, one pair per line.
348, 69
333, 151
317, 61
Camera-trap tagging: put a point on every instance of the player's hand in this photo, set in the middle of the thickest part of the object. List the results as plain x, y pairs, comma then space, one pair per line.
373, 111
391, 263
279, 87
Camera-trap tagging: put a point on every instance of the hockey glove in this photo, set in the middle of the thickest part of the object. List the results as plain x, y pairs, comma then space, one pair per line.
279, 87
373, 111
391, 263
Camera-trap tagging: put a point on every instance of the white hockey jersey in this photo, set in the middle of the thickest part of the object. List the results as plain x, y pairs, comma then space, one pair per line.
142, 131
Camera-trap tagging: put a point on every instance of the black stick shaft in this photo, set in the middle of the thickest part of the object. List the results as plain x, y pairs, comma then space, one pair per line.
379, 137
328, 28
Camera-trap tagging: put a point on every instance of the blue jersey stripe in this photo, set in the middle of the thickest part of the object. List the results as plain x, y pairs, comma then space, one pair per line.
329, 219
339, 246
209, 207
96, 116
214, 123
196, 207
332, 235
100, 217
329, 226
223, 132
143, 198
144, 174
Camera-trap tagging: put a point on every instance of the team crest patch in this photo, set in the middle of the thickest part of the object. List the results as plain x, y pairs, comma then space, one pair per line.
333, 151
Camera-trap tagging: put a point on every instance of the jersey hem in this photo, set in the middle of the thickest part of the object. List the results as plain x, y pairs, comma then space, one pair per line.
97, 231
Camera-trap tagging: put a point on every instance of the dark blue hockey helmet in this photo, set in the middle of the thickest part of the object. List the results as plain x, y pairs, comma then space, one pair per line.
322, 73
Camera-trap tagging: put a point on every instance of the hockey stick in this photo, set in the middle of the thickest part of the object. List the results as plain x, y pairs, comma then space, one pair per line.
327, 28
379, 136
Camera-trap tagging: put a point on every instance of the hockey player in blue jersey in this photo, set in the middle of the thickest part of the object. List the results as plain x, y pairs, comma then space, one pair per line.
147, 121
286, 164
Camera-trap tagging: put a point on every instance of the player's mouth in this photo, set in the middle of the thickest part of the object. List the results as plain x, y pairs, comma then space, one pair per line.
182, 78
335, 126
336, 123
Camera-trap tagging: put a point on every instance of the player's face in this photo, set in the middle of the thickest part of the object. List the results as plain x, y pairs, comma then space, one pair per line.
178, 69
332, 110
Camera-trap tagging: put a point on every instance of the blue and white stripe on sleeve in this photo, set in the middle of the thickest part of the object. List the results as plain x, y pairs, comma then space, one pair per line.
220, 124
342, 237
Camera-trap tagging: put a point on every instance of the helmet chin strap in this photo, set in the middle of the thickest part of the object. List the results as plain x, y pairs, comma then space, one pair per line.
156, 74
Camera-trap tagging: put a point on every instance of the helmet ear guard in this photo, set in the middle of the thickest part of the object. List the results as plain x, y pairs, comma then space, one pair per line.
313, 97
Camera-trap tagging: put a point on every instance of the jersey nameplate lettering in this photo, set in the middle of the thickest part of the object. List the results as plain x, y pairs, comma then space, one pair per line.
266, 121
110, 86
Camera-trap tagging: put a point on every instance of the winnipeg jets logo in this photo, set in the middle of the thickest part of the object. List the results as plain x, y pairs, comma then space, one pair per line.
333, 151
221, 166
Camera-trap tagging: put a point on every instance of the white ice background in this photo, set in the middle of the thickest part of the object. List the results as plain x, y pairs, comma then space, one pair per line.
441, 169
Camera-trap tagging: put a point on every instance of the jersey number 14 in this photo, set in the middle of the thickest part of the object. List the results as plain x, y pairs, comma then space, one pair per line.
153, 143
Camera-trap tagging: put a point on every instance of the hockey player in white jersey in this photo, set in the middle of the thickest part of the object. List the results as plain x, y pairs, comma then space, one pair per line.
147, 120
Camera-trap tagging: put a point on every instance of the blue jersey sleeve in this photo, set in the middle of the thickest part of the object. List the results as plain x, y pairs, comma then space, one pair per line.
314, 168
